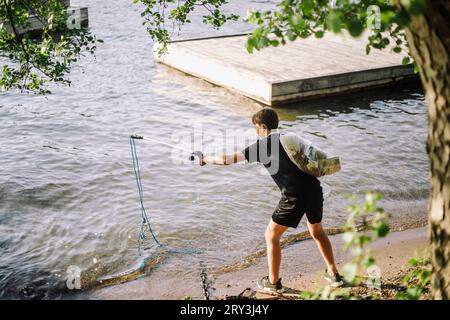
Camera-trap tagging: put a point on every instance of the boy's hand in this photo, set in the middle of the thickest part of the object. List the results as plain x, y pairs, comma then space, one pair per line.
200, 157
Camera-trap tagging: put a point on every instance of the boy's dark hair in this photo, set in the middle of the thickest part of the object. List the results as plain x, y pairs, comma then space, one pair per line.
266, 116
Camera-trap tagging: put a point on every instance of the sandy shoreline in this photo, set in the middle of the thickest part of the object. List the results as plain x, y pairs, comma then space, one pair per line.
302, 265
390, 254
301, 269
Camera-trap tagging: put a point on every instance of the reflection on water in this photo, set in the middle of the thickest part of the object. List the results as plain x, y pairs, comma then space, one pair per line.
68, 195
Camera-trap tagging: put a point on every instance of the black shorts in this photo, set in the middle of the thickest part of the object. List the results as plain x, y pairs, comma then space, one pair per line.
292, 207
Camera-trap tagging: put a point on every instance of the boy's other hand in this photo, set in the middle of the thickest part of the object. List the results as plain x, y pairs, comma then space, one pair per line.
199, 155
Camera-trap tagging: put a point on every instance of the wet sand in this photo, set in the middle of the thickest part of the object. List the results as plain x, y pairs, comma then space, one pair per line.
302, 267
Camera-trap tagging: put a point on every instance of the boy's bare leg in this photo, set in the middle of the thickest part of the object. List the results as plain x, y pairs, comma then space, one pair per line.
273, 234
324, 245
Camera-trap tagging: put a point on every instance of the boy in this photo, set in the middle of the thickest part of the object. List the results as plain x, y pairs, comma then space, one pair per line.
300, 194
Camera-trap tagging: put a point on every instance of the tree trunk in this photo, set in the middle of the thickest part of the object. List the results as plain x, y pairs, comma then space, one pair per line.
428, 38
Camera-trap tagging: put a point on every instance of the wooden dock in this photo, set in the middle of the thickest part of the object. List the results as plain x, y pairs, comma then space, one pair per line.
77, 15
304, 69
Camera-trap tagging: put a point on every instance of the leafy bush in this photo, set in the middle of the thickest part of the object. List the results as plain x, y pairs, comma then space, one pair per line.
417, 279
365, 223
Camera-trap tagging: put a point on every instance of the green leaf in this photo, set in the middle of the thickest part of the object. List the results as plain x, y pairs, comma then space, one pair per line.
291, 35
348, 238
369, 261
402, 18
350, 270
250, 44
258, 32
301, 26
424, 276
307, 7
355, 27
414, 7
319, 34
414, 293
262, 42
274, 43
307, 295
397, 49
343, 293
363, 240
371, 199
387, 16
413, 262
334, 22
381, 229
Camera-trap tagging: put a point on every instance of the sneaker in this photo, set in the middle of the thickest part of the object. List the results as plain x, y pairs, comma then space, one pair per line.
265, 285
334, 280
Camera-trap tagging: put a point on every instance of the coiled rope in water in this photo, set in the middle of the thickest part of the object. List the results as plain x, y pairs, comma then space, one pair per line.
145, 222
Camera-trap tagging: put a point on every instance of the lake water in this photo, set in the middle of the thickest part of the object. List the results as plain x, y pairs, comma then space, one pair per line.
67, 191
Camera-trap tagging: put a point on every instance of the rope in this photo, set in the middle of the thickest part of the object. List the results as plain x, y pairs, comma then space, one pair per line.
204, 279
145, 222
163, 143
205, 282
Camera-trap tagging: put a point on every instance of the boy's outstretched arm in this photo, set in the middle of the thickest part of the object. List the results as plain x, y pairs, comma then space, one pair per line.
225, 159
